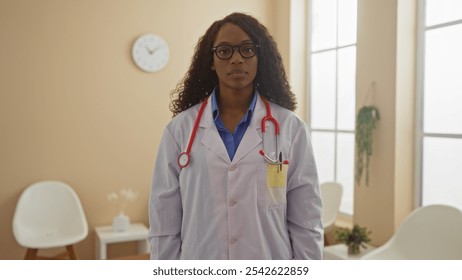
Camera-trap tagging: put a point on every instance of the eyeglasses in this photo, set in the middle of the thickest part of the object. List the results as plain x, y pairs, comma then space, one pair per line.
246, 50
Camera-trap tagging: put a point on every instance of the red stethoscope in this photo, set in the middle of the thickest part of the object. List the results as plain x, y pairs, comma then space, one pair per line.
184, 158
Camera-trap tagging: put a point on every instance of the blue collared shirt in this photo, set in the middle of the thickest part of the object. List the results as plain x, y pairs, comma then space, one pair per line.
232, 140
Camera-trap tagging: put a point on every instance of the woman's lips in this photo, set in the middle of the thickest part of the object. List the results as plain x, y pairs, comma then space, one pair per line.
237, 72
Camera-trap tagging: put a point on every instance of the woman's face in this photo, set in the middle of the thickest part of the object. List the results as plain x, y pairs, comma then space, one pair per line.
237, 72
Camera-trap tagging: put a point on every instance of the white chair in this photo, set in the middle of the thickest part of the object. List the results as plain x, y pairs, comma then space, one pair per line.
48, 215
429, 233
331, 195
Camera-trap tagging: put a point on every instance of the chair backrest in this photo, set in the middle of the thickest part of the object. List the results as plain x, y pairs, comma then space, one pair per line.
49, 214
331, 195
429, 233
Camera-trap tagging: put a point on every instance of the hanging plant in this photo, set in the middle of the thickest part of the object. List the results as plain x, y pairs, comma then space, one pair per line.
365, 123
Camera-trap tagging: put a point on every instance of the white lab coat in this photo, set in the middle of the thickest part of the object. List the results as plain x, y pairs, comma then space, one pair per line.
221, 209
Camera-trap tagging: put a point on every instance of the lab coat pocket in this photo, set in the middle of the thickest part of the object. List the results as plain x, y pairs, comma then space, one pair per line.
272, 181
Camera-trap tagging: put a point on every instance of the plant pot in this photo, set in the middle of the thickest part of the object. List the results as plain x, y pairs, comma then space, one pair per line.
120, 222
353, 249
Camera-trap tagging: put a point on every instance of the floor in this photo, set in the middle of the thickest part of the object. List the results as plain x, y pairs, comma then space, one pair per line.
134, 257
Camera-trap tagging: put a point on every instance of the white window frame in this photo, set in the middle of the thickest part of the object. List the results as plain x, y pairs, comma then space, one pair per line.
336, 131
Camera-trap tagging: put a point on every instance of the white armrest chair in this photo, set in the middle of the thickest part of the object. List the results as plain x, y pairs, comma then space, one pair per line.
331, 195
429, 233
48, 215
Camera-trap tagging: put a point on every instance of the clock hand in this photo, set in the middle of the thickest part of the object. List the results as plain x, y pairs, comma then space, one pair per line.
154, 50
149, 50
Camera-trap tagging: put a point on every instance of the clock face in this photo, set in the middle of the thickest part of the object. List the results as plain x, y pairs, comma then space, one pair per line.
150, 53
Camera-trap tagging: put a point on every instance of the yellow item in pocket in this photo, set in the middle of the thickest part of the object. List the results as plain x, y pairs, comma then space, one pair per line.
276, 177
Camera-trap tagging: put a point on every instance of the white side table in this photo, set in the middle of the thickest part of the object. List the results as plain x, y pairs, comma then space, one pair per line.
340, 252
105, 235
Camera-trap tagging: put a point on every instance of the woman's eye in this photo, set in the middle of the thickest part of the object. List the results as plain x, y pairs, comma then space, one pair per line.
224, 51
248, 50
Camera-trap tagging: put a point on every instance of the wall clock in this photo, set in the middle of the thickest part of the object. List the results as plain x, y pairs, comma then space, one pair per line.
150, 52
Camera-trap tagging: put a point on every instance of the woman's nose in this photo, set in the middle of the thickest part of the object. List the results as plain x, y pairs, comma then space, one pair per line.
236, 58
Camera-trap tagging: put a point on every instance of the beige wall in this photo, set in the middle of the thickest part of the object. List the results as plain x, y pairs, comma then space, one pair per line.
386, 72
73, 106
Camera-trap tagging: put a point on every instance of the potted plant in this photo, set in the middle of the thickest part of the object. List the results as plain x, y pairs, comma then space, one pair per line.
365, 123
354, 238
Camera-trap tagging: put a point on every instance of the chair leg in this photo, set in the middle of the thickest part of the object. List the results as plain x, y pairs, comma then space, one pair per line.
31, 254
71, 252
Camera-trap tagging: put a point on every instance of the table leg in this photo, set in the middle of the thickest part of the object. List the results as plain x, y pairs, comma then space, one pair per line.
102, 250
143, 246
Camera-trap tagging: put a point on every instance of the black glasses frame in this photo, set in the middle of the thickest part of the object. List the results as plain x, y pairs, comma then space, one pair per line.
240, 48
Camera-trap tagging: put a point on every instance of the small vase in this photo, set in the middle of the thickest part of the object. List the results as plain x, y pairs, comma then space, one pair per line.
120, 222
353, 249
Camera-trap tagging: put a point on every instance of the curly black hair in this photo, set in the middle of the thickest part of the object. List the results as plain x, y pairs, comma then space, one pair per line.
200, 80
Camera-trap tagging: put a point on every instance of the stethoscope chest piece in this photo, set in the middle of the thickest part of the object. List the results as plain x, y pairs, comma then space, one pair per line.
183, 159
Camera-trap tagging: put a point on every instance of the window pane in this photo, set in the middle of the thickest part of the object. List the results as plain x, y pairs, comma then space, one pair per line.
442, 11
442, 176
345, 169
346, 88
323, 146
443, 83
324, 24
347, 22
323, 80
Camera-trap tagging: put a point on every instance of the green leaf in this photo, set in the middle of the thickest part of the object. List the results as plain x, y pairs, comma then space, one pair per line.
357, 235
365, 124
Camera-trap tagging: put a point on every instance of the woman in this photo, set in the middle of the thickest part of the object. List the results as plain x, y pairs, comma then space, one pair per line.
238, 191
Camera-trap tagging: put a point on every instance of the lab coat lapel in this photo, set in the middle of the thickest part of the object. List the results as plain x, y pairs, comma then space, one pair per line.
252, 137
212, 139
